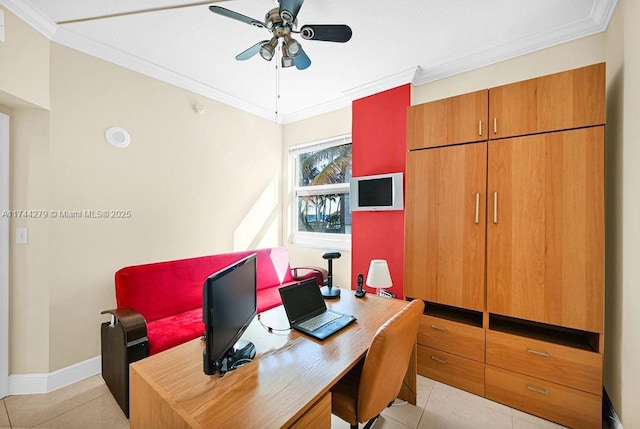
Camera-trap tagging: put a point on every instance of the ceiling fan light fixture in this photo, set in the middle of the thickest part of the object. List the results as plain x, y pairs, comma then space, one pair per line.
287, 60
292, 45
268, 49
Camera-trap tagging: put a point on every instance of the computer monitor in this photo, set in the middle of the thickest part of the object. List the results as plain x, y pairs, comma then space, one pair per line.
229, 306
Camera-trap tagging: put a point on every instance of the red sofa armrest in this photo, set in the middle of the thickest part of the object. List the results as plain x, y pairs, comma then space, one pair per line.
123, 341
135, 327
309, 272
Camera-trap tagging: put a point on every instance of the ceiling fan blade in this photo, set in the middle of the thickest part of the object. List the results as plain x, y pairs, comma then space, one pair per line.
328, 33
289, 9
136, 12
301, 60
237, 16
248, 53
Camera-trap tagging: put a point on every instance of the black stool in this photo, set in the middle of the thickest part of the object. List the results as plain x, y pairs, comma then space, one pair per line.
329, 291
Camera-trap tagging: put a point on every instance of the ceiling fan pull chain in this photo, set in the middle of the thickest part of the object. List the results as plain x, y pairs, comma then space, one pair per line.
277, 100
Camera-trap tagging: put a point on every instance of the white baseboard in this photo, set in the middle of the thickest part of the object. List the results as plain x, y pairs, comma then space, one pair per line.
24, 384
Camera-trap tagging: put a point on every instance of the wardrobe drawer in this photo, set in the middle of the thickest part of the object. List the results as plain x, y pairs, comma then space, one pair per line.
564, 365
453, 337
463, 373
569, 407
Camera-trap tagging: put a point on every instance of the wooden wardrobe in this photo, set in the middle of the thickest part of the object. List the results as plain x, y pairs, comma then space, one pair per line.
504, 242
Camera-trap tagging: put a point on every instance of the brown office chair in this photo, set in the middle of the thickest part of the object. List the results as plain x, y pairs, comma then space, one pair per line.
365, 391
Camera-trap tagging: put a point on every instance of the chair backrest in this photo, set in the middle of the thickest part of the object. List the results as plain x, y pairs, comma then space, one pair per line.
387, 360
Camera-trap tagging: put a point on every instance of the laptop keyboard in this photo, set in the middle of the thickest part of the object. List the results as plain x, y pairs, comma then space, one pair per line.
320, 320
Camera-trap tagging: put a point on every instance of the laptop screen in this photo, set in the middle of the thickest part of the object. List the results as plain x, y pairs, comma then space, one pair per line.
302, 299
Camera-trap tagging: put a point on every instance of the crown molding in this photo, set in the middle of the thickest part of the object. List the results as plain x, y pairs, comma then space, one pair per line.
383, 84
602, 12
316, 110
107, 53
32, 16
597, 22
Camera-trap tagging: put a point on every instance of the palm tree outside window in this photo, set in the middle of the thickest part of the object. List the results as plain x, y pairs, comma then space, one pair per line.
322, 171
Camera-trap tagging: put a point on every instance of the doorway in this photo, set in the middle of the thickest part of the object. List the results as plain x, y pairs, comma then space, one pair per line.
4, 255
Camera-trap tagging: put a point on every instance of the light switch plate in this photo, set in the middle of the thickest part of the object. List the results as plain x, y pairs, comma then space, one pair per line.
1, 25
22, 235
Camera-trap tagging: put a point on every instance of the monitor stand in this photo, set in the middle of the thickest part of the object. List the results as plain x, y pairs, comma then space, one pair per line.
240, 354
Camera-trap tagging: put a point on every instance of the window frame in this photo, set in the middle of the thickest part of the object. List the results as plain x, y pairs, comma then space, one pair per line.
325, 240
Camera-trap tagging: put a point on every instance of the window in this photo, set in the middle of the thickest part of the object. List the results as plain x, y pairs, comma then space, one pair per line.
320, 177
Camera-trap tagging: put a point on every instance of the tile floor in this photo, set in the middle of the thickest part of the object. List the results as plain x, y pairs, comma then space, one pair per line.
88, 404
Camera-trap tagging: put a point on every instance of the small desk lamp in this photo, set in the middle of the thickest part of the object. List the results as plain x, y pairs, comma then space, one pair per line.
378, 276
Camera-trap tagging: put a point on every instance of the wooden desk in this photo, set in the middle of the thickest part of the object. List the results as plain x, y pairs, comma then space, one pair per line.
286, 385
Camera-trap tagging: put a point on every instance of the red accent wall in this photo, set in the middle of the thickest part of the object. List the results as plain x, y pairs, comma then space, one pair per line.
379, 146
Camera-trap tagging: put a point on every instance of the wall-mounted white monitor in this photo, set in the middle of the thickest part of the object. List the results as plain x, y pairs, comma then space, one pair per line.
378, 192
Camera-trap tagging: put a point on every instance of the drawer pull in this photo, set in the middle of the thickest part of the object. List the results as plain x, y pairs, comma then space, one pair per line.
439, 328
437, 359
536, 352
537, 390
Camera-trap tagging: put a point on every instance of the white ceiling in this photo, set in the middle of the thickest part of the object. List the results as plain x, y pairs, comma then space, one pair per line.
393, 43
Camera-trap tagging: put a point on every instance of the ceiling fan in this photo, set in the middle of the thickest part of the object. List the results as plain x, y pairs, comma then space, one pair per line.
282, 22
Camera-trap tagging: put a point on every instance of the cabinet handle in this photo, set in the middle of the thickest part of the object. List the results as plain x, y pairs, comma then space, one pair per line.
495, 125
537, 390
437, 359
477, 208
495, 207
439, 328
480, 127
536, 352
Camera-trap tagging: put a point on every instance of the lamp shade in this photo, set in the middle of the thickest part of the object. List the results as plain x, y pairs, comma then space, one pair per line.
378, 275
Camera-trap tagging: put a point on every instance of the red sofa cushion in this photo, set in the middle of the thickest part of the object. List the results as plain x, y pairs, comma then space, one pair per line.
165, 289
174, 330
169, 294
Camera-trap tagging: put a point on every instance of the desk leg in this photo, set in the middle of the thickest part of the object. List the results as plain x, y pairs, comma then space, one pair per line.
409, 389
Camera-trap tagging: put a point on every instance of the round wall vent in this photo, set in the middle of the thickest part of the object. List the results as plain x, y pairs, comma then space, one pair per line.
118, 137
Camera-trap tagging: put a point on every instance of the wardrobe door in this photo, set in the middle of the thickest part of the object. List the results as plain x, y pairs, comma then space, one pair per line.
453, 120
545, 230
561, 101
445, 225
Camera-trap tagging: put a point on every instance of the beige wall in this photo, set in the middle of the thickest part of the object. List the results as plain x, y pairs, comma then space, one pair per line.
622, 346
189, 180
317, 128
192, 183
29, 264
630, 340
24, 55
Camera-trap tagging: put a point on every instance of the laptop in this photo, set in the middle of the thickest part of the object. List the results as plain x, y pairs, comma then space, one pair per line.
308, 313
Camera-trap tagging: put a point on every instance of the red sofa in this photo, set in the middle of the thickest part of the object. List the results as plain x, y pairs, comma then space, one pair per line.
159, 306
